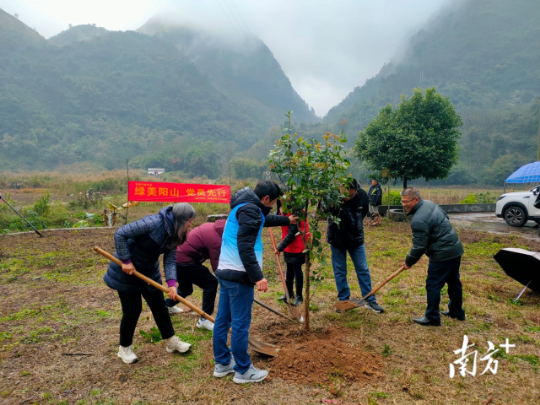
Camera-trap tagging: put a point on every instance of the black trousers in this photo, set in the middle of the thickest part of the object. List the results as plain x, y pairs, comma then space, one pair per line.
294, 273
439, 274
132, 308
197, 274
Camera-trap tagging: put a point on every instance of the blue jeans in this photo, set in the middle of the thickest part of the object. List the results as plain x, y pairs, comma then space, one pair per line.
339, 263
439, 274
234, 310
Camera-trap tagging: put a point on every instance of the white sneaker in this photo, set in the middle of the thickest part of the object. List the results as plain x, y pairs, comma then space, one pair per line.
175, 310
203, 323
126, 354
252, 375
174, 344
221, 370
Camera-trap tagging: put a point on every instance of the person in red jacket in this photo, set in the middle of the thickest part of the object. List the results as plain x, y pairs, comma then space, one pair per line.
292, 244
202, 243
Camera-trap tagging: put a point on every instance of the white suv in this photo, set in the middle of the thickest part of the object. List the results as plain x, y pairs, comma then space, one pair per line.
518, 208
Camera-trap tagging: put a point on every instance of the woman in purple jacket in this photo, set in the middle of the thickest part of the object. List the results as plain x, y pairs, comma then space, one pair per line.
203, 243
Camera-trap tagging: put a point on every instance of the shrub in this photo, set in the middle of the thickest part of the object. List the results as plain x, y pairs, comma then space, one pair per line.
470, 199
486, 198
43, 205
479, 198
395, 198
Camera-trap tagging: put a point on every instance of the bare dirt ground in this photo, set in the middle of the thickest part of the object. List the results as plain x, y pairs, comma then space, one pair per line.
59, 333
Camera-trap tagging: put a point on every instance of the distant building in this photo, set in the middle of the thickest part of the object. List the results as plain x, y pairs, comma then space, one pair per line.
155, 171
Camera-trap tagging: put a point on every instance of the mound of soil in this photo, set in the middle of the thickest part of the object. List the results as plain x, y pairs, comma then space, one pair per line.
325, 357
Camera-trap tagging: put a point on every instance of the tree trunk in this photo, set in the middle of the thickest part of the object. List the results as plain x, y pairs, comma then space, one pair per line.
306, 301
404, 183
308, 266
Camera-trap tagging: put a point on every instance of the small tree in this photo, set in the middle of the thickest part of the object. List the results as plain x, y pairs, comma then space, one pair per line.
416, 139
313, 172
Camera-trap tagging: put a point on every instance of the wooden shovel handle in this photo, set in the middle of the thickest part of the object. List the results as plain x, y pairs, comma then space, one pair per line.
279, 267
390, 277
154, 284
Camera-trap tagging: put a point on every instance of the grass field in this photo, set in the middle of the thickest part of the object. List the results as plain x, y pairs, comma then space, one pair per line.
59, 331
69, 205
62, 185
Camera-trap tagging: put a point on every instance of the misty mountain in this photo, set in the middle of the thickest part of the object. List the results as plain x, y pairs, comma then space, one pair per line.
102, 97
483, 55
243, 68
14, 33
77, 34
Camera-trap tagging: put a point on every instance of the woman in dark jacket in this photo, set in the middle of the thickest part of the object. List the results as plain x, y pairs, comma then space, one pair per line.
138, 246
292, 244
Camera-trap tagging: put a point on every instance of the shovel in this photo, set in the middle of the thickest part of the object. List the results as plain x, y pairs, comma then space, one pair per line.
293, 310
346, 305
276, 311
260, 347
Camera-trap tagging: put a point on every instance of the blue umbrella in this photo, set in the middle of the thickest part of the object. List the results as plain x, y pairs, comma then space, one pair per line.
526, 174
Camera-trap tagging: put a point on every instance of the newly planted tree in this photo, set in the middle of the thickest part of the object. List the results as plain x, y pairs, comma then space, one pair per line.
312, 173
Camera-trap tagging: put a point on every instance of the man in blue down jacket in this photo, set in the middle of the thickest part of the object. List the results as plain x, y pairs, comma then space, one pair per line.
433, 235
239, 269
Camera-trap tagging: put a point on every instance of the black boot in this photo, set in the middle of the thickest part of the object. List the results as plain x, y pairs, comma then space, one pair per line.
299, 287
289, 290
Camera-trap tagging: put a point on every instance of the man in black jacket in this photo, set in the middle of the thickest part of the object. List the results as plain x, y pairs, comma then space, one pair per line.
433, 235
348, 236
375, 196
239, 269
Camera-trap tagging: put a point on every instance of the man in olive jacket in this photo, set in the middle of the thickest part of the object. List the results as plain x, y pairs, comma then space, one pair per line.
433, 235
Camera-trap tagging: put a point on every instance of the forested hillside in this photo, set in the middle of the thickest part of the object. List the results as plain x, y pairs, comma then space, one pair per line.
89, 95
243, 68
484, 55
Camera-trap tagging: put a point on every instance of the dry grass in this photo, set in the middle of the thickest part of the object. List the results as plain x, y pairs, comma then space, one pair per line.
450, 195
62, 184
112, 185
53, 301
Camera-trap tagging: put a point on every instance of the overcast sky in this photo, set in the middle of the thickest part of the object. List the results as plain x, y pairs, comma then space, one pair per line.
326, 47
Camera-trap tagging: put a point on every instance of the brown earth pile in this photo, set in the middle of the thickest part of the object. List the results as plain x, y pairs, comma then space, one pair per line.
323, 358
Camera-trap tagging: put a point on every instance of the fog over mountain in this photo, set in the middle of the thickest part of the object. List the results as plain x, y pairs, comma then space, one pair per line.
326, 48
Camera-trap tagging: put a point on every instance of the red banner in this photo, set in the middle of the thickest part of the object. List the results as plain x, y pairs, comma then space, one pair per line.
178, 192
